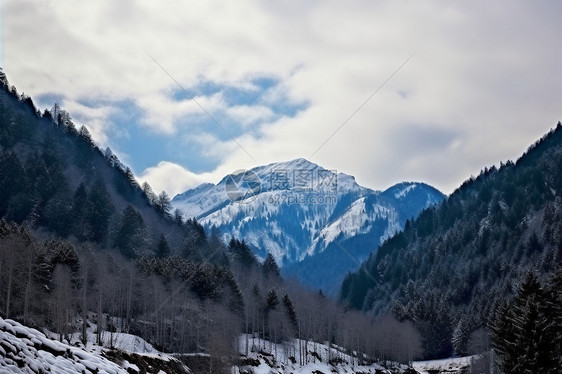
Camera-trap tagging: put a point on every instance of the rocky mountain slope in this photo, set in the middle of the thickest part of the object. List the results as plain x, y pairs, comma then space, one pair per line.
301, 212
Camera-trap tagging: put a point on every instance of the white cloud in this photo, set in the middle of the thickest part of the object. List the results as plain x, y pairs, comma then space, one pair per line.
487, 71
174, 179
95, 119
250, 114
170, 177
162, 112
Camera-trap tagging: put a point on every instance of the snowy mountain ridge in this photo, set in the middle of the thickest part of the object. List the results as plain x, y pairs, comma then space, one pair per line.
296, 209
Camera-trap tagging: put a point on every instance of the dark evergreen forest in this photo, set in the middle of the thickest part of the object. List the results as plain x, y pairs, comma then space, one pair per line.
83, 244
452, 270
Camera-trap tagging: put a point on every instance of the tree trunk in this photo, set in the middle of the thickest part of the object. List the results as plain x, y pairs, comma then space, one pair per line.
100, 318
129, 300
246, 318
85, 307
29, 285
10, 260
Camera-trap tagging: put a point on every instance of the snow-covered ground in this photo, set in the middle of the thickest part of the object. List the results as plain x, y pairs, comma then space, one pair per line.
27, 350
118, 340
449, 365
265, 357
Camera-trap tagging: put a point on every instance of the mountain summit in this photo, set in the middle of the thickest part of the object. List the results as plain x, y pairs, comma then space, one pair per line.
304, 214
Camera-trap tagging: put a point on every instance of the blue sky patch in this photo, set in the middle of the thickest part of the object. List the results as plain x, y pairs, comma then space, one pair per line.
142, 147
46, 101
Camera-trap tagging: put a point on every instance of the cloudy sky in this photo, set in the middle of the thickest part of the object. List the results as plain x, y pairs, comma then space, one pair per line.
187, 91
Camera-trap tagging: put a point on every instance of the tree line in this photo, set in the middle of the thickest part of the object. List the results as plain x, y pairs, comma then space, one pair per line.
182, 304
450, 269
83, 245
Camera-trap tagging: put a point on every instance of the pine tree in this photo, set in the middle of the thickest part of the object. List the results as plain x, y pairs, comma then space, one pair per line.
13, 182
291, 314
271, 300
163, 205
526, 335
80, 209
84, 134
461, 336
163, 248
271, 303
241, 253
100, 210
236, 302
149, 194
130, 237
270, 268
178, 217
433, 320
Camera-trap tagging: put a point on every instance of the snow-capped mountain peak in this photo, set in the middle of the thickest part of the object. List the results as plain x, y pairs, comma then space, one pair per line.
195, 191
296, 209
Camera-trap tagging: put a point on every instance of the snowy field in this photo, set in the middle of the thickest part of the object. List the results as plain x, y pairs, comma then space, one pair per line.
26, 350
270, 358
450, 365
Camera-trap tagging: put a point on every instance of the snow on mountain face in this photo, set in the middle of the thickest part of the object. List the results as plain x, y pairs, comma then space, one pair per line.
404, 191
192, 201
296, 209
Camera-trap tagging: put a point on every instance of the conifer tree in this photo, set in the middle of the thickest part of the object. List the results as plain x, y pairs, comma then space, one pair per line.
101, 209
80, 209
178, 217
241, 253
130, 237
149, 194
163, 205
291, 314
163, 248
526, 333
461, 336
270, 268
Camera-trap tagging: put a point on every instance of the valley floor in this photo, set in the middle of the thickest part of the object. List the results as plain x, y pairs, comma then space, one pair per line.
448, 365
27, 350
304, 357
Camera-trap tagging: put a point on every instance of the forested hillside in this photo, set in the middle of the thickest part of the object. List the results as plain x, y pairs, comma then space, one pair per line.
54, 177
451, 269
84, 247
78, 234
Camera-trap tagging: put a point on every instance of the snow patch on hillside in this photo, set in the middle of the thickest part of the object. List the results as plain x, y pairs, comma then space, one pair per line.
305, 357
354, 221
448, 365
27, 350
403, 192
